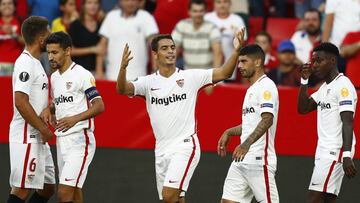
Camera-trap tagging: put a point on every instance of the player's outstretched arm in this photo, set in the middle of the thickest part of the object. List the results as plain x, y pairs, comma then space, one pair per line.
347, 118
28, 113
225, 72
265, 123
224, 139
123, 86
306, 104
96, 108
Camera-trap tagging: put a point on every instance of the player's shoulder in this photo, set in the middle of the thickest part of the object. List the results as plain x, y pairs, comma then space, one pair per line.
266, 82
24, 61
80, 70
343, 81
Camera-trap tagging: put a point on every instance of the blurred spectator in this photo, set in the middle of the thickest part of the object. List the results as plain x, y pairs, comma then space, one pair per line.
84, 32
148, 5
301, 6
264, 40
350, 49
22, 9
199, 40
228, 23
342, 17
127, 25
47, 8
240, 7
169, 12
11, 44
287, 73
68, 9
310, 37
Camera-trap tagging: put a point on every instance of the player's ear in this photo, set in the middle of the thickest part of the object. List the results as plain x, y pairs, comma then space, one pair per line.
68, 51
154, 53
258, 62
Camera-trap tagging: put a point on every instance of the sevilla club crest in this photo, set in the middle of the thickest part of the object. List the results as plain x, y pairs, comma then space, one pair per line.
68, 85
180, 82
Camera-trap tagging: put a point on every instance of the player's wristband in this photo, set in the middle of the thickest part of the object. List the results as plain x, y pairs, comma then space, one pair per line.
346, 154
304, 81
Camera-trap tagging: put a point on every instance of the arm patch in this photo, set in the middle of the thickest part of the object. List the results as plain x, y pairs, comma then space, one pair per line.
91, 93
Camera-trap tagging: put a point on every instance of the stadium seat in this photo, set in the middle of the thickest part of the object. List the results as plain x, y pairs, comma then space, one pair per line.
255, 25
280, 29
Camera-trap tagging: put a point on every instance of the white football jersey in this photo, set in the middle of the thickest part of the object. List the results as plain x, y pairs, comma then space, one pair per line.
30, 78
71, 92
170, 103
332, 99
261, 97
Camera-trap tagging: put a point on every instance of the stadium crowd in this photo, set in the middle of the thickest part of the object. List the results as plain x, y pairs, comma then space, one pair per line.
286, 30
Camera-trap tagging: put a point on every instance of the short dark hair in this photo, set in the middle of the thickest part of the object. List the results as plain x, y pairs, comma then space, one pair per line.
157, 38
313, 10
254, 51
61, 38
198, 2
266, 34
32, 27
63, 2
328, 48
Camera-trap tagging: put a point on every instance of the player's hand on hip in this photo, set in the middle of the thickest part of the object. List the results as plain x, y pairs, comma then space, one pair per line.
306, 70
46, 116
349, 167
46, 134
126, 57
222, 144
239, 40
239, 153
66, 123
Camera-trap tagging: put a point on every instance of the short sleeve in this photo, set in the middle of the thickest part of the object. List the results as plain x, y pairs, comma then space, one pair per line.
215, 35
202, 77
315, 96
268, 97
177, 34
24, 77
150, 25
330, 6
89, 86
139, 86
346, 97
105, 28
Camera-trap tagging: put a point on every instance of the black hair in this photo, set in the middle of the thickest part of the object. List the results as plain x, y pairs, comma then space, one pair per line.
266, 34
198, 2
61, 38
63, 2
157, 38
32, 27
328, 48
253, 51
311, 10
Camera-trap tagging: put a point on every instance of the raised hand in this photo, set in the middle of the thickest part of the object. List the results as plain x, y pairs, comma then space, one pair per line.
239, 40
306, 70
125, 57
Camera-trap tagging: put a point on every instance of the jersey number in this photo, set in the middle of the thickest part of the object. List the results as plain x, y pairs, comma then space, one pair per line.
32, 165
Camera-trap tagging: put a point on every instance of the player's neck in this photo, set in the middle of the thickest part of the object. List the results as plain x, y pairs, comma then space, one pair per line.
66, 66
34, 50
256, 76
331, 76
167, 71
223, 15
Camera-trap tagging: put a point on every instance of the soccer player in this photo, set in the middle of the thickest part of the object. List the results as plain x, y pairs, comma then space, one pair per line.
252, 173
335, 102
171, 95
72, 89
32, 166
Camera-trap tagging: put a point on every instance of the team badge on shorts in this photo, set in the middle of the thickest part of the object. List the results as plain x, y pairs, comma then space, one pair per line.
267, 95
344, 92
180, 82
68, 85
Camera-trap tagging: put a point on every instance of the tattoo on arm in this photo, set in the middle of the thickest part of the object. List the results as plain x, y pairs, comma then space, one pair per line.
235, 131
261, 128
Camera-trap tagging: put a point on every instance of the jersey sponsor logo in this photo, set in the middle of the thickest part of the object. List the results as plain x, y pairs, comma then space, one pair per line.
345, 102
24, 76
45, 86
324, 105
267, 95
63, 99
180, 82
167, 100
68, 85
269, 105
248, 110
344, 92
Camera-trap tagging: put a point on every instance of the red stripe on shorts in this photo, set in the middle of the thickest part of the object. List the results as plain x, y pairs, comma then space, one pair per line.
85, 157
267, 185
25, 165
328, 176
25, 133
189, 163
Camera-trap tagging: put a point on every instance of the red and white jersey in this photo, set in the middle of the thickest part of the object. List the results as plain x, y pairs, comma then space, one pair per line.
170, 103
332, 99
71, 92
261, 97
30, 78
